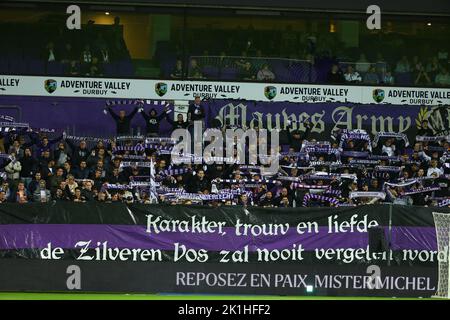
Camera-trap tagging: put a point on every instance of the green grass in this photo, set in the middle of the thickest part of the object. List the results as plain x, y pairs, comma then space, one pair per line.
103, 296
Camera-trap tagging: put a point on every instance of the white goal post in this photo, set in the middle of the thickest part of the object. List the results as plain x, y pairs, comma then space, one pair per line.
442, 225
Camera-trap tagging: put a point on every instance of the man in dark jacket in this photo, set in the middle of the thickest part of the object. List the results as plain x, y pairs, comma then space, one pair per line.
266, 200
179, 124
87, 192
34, 184
152, 121
56, 179
199, 183
116, 178
82, 172
98, 180
45, 165
278, 201
196, 111
123, 121
29, 166
79, 153
335, 75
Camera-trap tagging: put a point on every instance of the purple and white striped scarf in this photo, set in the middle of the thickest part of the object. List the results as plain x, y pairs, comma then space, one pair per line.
355, 154
133, 157
173, 172
142, 147
159, 140
296, 185
434, 138
421, 190
124, 102
200, 197
363, 162
367, 194
142, 164
398, 136
132, 138
388, 169
309, 197
90, 139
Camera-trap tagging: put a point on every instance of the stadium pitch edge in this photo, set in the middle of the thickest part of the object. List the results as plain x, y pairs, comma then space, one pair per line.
122, 296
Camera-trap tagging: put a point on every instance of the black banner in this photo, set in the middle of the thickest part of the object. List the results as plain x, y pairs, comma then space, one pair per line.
378, 250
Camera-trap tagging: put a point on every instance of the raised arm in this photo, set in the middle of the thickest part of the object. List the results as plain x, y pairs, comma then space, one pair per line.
169, 120
145, 116
53, 141
131, 115
115, 116
307, 131
161, 116
71, 145
34, 139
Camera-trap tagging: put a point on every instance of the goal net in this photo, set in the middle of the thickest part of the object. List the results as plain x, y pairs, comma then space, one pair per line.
442, 224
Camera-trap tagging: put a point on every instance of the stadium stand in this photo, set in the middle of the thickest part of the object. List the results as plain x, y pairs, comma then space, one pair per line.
186, 149
34, 50
354, 168
295, 57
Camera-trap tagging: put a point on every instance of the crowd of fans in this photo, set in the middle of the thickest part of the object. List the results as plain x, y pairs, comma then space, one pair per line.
351, 169
434, 72
307, 57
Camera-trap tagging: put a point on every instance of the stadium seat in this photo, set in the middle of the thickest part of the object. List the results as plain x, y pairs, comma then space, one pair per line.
308, 73
403, 78
229, 73
282, 73
322, 69
277, 64
17, 66
167, 64
55, 68
125, 68
211, 72
36, 67
110, 69
4, 65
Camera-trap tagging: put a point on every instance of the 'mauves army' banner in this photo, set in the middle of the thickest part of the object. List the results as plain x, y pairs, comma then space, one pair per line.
84, 115
160, 248
329, 117
186, 90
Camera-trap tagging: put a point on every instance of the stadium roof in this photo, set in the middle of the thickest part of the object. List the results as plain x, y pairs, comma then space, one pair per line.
409, 7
